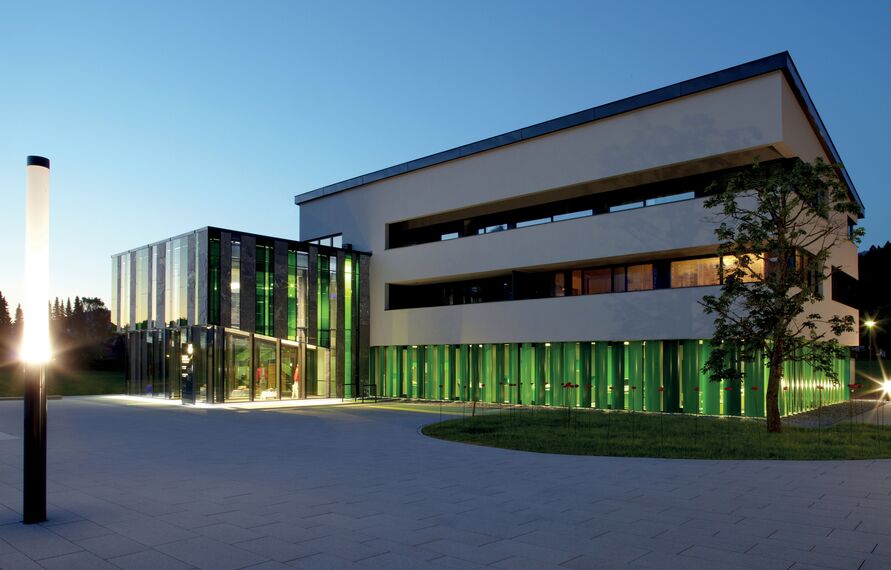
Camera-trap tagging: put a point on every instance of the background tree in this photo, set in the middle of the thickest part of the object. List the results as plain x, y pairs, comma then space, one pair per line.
5, 331
779, 221
18, 325
873, 298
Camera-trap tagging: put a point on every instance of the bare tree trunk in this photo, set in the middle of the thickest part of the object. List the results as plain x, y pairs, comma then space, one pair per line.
773, 388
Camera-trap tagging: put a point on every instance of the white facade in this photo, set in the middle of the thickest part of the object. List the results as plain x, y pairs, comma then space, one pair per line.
713, 129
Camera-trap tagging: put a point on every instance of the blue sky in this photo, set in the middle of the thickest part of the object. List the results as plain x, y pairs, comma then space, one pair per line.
161, 117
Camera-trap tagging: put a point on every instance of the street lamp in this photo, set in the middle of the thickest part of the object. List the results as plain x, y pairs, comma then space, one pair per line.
870, 325
35, 350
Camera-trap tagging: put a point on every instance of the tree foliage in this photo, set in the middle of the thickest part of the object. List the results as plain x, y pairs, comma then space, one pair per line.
777, 223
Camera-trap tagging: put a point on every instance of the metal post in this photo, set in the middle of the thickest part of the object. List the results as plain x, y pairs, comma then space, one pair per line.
34, 488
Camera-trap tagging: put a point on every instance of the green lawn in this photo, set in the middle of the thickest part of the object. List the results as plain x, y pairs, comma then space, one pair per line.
646, 435
66, 383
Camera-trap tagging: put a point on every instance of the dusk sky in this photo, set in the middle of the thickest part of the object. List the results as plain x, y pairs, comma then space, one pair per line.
158, 115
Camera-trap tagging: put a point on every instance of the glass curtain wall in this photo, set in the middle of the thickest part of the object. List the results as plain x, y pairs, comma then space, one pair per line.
652, 375
214, 277
141, 273
266, 376
235, 314
264, 303
291, 379
237, 367
125, 292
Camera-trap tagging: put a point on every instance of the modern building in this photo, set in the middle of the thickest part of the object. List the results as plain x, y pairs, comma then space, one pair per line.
216, 315
562, 263
558, 264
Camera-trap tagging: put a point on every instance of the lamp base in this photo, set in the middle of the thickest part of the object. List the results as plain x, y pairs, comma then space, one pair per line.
34, 482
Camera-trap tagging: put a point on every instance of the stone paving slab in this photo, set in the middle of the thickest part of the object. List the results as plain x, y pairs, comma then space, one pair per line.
146, 486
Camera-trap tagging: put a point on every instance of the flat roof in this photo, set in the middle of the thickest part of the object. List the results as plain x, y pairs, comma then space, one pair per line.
777, 62
241, 233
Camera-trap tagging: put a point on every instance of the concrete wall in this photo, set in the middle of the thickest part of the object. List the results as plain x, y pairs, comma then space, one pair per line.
707, 131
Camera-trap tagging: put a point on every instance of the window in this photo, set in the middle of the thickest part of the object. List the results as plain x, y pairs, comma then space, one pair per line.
619, 285
334, 240
669, 199
640, 277
577, 282
573, 215
238, 368
753, 270
598, 281
266, 374
694, 272
235, 313
546, 208
559, 284
628, 206
536, 222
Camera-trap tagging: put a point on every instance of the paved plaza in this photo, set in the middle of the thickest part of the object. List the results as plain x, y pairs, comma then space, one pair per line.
135, 485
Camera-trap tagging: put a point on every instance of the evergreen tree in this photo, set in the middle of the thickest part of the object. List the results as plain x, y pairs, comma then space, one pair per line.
68, 313
780, 223
18, 325
5, 320
5, 329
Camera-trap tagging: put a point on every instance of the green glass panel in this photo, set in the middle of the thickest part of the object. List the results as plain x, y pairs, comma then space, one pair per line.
634, 375
710, 391
690, 388
292, 295
264, 304
671, 376
652, 376
617, 374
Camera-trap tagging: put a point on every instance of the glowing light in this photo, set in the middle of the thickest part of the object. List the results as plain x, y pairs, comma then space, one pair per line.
190, 349
235, 285
869, 324
35, 340
886, 387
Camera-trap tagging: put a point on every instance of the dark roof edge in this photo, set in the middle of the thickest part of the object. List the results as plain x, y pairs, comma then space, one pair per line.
239, 232
778, 62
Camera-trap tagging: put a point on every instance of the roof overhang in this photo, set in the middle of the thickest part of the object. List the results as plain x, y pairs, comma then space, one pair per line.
777, 62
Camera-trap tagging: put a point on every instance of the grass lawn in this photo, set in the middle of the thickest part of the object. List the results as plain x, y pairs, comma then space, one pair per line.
650, 435
66, 383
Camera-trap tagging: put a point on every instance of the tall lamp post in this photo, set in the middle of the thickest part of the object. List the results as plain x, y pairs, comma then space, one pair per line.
35, 349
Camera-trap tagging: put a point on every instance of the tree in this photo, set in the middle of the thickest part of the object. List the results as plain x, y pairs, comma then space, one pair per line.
18, 325
5, 329
778, 223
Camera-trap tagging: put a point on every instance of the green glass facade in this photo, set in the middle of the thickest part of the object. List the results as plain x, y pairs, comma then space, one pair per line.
261, 323
652, 376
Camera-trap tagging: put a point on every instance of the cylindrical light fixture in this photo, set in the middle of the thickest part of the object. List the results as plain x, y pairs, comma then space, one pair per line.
35, 350
35, 340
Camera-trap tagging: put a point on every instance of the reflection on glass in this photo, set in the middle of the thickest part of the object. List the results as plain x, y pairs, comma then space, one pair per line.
640, 277
291, 374
618, 279
694, 272
235, 316
559, 284
238, 368
754, 271
266, 372
264, 324
577, 282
